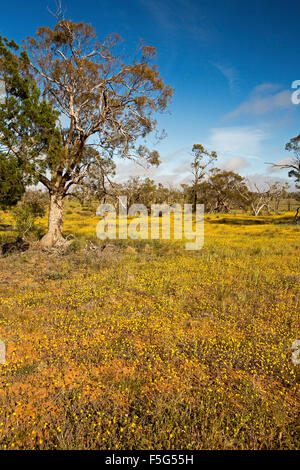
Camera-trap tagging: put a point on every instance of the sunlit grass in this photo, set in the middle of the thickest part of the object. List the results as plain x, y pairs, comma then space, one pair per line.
158, 348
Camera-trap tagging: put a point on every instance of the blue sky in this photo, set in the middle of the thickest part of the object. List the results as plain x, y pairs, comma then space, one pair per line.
231, 64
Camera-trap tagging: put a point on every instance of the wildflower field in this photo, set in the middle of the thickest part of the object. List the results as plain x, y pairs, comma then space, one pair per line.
144, 345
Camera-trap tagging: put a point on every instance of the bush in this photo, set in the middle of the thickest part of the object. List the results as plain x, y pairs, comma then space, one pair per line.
32, 205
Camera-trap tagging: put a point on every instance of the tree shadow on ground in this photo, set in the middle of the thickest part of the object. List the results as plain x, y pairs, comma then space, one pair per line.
253, 221
4, 227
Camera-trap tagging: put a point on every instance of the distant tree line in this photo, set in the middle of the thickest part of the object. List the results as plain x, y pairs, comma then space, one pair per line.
220, 192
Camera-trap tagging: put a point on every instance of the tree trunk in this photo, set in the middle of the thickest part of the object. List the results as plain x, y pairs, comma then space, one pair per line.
195, 200
296, 215
55, 222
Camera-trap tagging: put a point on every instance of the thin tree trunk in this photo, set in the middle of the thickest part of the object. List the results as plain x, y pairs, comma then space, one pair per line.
55, 222
296, 218
195, 200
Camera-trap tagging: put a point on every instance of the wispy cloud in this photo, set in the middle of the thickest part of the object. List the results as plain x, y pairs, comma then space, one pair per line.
177, 154
229, 72
242, 141
179, 16
264, 99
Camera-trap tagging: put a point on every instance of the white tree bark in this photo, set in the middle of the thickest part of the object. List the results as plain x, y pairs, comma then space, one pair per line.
54, 235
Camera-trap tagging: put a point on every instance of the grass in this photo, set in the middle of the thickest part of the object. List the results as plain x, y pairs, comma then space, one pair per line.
157, 348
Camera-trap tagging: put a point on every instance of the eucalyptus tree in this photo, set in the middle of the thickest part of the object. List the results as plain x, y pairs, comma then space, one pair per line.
100, 104
202, 160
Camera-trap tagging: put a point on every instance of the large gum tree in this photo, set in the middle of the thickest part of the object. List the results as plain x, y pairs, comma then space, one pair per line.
76, 103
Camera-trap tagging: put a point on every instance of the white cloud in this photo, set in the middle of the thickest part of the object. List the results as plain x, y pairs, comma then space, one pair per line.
235, 163
170, 172
242, 140
263, 99
127, 168
265, 87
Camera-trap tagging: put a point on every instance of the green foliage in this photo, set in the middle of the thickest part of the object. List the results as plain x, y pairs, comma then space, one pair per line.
54, 275
11, 181
27, 211
28, 129
223, 191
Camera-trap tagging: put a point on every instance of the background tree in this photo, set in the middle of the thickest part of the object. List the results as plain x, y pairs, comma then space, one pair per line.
278, 191
294, 166
223, 191
202, 160
294, 146
147, 192
99, 99
256, 197
96, 185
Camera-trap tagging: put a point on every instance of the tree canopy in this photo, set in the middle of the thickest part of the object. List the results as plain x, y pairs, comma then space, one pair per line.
11, 182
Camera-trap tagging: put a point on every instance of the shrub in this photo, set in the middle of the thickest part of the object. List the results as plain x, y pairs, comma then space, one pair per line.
31, 206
